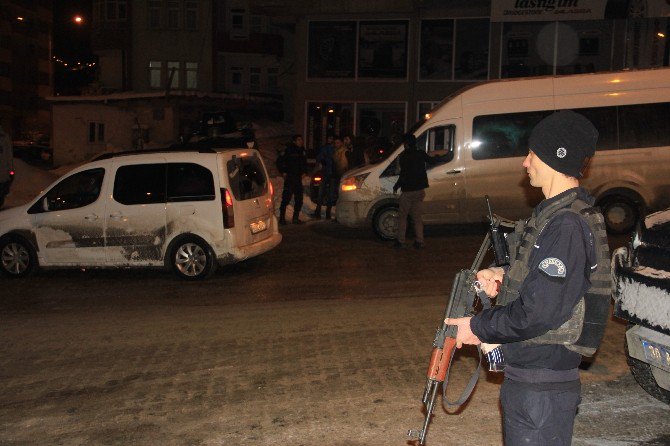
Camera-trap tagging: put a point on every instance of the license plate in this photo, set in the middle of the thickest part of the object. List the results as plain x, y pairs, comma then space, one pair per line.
657, 355
258, 226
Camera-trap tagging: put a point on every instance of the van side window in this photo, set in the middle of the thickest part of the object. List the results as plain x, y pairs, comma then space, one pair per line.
503, 136
76, 191
189, 182
246, 177
140, 184
644, 125
436, 141
605, 120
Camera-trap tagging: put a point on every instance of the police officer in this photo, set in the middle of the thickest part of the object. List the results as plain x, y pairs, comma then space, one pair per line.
544, 288
292, 164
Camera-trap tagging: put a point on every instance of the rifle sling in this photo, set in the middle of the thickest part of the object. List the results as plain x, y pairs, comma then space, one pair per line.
467, 391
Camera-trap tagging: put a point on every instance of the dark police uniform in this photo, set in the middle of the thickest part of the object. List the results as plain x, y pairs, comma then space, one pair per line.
541, 390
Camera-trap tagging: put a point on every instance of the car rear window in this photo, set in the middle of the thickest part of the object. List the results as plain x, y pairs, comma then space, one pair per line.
247, 177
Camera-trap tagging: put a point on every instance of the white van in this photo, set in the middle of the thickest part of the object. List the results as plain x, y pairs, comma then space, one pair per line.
187, 211
484, 132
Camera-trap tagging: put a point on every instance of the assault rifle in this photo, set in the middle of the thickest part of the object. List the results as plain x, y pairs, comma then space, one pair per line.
465, 296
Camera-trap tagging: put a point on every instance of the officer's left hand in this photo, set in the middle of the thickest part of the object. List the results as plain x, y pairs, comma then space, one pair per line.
464, 335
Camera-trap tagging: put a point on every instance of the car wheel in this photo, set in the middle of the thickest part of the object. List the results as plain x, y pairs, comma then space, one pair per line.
192, 259
641, 371
17, 257
385, 222
620, 214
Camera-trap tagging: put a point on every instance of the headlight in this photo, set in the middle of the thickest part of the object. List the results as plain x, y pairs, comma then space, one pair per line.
353, 183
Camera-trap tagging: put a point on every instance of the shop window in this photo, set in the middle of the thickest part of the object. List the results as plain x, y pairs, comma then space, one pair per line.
647, 42
325, 119
332, 50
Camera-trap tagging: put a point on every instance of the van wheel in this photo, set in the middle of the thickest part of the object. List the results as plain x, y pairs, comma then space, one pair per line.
620, 214
192, 259
385, 222
17, 257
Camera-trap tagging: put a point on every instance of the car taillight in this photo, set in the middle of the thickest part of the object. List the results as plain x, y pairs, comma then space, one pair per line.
11, 173
317, 179
227, 208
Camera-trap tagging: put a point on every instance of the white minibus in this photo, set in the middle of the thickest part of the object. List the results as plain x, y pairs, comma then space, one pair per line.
484, 132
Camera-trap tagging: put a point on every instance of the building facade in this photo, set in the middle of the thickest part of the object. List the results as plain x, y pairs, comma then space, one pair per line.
26, 74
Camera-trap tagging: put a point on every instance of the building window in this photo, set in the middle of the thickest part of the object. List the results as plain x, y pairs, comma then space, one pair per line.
173, 15
647, 42
155, 71
325, 119
382, 49
254, 79
96, 132
191, 75
273, 79
237, 21
332, 50
454, 49
191, 16
236, 75
111, 10
423, 108
544, 48
257, 24
385, 121
154, 14
173, 74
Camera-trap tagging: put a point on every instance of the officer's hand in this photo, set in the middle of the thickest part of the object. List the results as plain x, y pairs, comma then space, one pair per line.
464, 335
488, 277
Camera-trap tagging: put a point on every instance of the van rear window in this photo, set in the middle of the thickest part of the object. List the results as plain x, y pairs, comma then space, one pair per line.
246, 177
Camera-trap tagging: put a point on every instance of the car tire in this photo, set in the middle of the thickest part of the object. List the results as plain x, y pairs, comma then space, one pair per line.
17, 257
385, 222
642, 373
191, 258
621, 214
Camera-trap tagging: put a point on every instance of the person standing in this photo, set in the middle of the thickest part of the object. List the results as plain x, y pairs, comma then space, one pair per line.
328, 186
292, 164
557, 255
412, 181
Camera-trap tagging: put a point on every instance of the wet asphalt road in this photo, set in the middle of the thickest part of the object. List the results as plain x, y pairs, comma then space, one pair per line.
322, 341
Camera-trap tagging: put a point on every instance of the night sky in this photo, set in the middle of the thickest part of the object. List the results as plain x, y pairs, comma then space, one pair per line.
71, 44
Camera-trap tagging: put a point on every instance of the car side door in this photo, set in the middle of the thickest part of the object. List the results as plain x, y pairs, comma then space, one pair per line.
68, 220
135, 220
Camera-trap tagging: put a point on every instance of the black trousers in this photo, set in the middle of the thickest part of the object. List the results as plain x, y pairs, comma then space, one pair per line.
539, 414
292, 188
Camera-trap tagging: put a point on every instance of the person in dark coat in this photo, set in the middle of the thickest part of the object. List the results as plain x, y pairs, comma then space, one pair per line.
292, 164
541, 390
412, 182
329, 180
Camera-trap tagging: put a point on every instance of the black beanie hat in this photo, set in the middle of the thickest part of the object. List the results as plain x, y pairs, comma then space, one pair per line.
564, 141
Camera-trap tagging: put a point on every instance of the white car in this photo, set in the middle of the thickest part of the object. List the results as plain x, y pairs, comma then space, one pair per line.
187, 211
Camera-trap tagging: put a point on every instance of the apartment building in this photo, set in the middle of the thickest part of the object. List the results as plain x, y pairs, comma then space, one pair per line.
26, 75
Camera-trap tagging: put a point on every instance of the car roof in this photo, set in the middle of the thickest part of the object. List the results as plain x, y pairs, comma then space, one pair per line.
168, 150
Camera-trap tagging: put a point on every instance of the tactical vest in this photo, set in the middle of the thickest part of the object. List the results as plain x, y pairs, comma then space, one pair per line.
583, 332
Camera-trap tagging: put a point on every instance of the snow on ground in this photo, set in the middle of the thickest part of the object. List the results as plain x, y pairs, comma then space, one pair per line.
29, 181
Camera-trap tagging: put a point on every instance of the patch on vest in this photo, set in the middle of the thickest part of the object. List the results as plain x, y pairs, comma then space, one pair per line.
552, 267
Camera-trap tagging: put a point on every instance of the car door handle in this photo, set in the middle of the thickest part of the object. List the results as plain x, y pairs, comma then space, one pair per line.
454, 171
116, 216
92, 217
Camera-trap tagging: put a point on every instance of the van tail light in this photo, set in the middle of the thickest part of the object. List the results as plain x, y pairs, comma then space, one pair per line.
227, 208
11, 173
